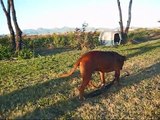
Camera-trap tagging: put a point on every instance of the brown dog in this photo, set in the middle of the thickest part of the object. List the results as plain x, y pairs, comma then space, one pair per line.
97, 61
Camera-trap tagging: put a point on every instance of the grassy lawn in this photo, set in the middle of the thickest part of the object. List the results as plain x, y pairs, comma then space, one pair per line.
32, 89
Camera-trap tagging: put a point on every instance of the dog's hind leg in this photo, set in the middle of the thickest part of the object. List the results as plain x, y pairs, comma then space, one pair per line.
102, 79
117, 74
86, 74
84, 84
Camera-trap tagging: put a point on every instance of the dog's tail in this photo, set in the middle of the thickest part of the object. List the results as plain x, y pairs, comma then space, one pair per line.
72, 70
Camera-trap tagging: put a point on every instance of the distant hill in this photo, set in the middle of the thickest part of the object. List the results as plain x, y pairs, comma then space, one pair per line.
47, 31
42, 31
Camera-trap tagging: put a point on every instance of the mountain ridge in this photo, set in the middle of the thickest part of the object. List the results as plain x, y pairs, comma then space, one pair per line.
43, 31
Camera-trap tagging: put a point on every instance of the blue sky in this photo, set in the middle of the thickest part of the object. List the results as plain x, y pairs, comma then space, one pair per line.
72, 13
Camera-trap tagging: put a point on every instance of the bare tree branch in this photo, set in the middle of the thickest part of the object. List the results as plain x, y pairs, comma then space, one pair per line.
124, 32
8, 17
18, 30
3, 7
8, 7
129, 17
14, 15
120, 15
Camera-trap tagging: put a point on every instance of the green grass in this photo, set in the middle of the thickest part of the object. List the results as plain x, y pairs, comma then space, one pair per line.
32, 89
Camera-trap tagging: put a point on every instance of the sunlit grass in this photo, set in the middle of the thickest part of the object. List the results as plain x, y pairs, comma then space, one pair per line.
32, 89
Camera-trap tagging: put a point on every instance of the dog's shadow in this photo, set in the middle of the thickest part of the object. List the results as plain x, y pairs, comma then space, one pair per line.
99, 91
127, 80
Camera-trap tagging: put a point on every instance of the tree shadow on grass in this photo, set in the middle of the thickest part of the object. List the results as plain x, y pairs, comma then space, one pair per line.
130, 80
46, 52
66, 107
55, 111
32, 94
142, 49
135, 78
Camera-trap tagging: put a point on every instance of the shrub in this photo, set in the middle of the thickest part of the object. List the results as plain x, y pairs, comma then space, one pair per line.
86, 40
5, 52
60, 40
25, 54
5, 41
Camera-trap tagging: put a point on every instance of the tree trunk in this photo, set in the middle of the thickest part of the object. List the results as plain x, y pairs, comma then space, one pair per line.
120, 15
18, 30
12, 34
124, 33
129, 17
